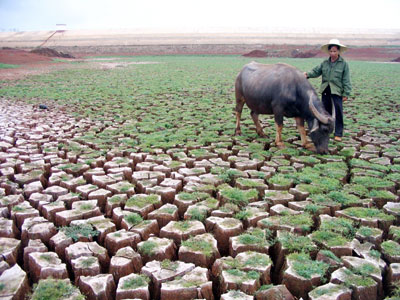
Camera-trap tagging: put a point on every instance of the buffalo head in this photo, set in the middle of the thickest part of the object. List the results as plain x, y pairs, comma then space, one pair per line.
322, 125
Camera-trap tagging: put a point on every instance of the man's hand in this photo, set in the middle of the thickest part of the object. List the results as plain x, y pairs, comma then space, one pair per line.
344, 98
305, 74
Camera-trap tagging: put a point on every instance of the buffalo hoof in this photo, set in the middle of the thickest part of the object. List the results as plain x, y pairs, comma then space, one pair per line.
309, 146
280, 145
262, 135
238, 132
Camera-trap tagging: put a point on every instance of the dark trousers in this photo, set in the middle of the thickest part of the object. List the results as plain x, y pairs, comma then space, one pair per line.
327, 99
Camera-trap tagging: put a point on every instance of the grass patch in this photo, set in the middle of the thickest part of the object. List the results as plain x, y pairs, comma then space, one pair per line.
304, 266
136, 282
8, 66
53, 289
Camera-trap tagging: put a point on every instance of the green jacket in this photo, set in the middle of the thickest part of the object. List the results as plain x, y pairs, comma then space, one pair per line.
336, 75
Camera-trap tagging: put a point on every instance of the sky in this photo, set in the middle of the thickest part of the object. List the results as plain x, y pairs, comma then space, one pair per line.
200, 15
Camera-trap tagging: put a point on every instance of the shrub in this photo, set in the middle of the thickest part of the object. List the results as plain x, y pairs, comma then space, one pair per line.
76, 231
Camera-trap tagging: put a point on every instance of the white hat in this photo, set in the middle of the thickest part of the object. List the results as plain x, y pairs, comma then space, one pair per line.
336, 42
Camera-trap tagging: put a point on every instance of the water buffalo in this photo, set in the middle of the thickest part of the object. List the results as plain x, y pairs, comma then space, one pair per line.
283, 91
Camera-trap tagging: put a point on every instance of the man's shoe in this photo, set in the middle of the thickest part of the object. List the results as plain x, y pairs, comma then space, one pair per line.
338, 139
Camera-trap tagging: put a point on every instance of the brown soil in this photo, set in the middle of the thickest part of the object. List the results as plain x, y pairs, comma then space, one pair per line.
256, 53
51, 53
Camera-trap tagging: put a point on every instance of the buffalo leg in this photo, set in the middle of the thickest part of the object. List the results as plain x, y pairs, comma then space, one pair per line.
256, 121
278, 139
239, 107
302, 131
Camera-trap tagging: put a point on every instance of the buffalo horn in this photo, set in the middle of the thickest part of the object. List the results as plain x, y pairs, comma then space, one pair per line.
333, 111
314, 126
321, 117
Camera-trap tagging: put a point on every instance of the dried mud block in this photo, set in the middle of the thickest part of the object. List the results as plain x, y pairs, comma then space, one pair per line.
279, 209
253, 215
38, 198
49, 210
223, 229
15, 284
200, 249
45, 265
33, 246
363, 287
251, 183
133, 286
332, 260
147, 175
164, 271
102, 224
211, 179
167, 193
23, 211
165, 214
370, 217
143, 204
9, 250
392, 276
373, 271
276, 292
143, 185
85, 190
125, 262
367, 251
302, 274
157, 249
179, 231
8, 228
122, 187
59, 242
391, 251
3, 266
254, 239
120, 239
10, 201
235, 279
100, 196
172, 183
71, 183
88, 175
393, 208
184, 200
192, 171
253, 267
56, 191
192, 285
85, 266
88, 249
37, 228
145, 166
146, 228
235, 294
113, 202
99, 287
68, 199
330, 291
299, 223
258, 262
